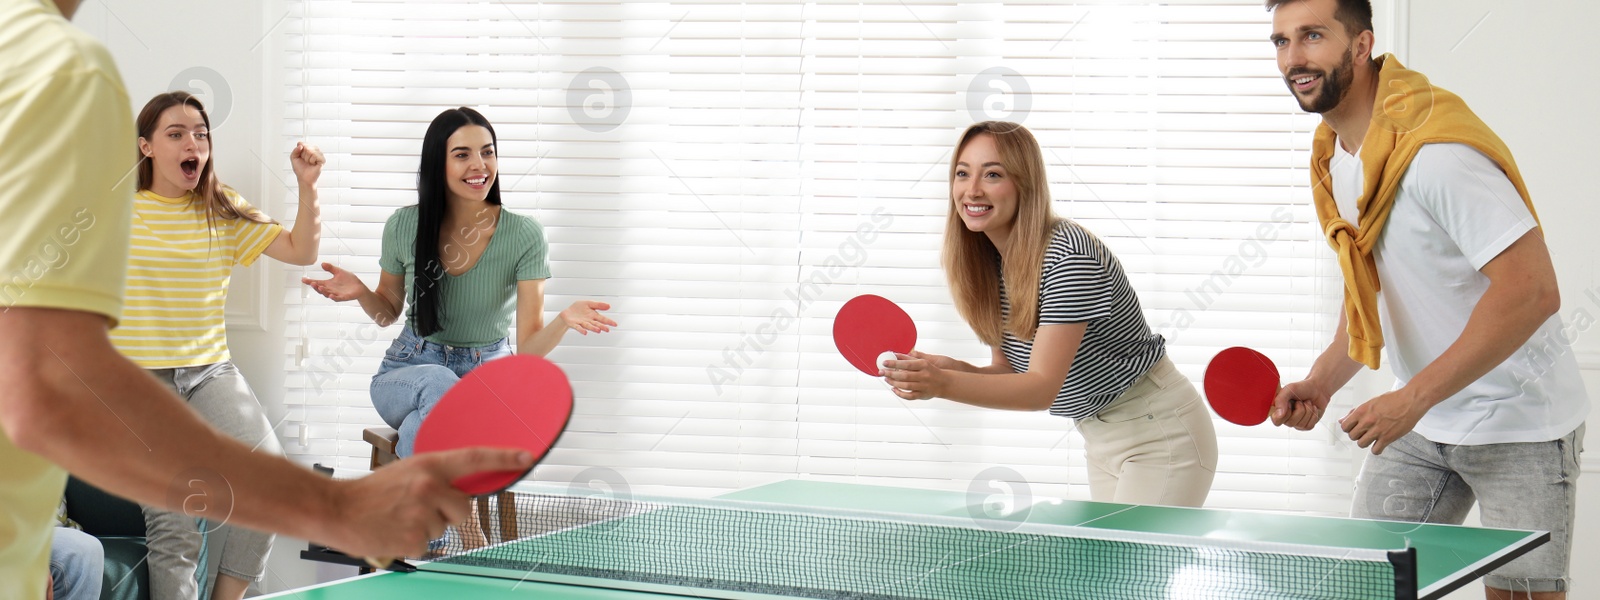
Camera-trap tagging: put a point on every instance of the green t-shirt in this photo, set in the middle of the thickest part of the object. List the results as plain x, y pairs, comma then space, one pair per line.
476, 308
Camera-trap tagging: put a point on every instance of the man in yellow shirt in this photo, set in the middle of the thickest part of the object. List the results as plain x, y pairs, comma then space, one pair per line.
70, 402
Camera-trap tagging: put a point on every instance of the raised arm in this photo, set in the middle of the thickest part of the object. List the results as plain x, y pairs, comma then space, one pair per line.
299, 246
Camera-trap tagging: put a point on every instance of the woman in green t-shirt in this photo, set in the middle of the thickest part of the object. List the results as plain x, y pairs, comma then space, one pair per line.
464, 265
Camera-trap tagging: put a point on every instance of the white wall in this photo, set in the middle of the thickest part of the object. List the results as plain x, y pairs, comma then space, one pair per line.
1525, 67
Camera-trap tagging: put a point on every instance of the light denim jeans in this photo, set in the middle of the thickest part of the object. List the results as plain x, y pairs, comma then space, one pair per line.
186, 553
1531, 485
77, 564
415, 374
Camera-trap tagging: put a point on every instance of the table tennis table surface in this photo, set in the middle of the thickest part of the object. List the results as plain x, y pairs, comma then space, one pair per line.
1448, 556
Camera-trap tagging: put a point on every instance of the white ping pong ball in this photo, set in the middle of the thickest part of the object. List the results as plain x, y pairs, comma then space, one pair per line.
883, 357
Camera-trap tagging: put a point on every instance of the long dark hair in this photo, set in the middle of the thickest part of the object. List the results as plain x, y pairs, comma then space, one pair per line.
210, 193
432, 205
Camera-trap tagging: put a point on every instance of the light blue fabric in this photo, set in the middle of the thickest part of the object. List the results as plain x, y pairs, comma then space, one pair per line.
415, 374
77, 562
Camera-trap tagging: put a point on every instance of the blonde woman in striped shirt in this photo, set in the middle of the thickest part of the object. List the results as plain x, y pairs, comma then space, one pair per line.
1065, 328
189, 231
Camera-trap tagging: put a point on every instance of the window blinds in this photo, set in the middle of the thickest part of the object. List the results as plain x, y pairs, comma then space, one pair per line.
727, 174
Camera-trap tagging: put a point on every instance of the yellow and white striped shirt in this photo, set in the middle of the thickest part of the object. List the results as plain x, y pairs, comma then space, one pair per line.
178, 273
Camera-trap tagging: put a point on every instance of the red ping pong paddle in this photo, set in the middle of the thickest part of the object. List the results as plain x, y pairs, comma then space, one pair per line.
519, 401
1240, 385
868, 326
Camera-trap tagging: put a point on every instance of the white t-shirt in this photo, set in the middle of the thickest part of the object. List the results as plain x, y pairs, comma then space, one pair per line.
1454, 212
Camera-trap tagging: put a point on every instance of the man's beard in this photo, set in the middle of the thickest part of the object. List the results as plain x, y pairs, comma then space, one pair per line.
1335, 84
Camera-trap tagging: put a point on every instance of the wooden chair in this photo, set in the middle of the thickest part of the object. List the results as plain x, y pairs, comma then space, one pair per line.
383, 440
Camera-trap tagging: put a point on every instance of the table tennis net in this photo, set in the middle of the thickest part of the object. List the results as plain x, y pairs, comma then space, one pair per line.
728, 549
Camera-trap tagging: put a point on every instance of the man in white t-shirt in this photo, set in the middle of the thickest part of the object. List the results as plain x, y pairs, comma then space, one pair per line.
1421, 200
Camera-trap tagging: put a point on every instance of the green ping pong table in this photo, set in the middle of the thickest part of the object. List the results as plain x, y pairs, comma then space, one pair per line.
1048, 549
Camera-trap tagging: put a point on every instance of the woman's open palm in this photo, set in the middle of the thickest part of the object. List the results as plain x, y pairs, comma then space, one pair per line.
343, 286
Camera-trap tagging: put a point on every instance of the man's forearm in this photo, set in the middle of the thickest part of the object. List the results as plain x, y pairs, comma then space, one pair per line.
101, 417
1334, 368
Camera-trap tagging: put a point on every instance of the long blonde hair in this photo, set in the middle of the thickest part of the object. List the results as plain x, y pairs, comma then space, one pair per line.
969, 257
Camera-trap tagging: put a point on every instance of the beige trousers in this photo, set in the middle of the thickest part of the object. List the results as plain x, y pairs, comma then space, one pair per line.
1154, 444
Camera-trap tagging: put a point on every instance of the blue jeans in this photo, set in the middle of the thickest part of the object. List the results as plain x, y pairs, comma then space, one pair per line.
415, 374
1530, 485
186, 554
77, 563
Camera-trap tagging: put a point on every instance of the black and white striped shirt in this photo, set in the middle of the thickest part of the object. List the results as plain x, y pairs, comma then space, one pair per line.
1084, 283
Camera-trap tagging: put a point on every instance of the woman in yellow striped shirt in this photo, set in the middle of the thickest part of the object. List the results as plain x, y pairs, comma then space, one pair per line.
189, 231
